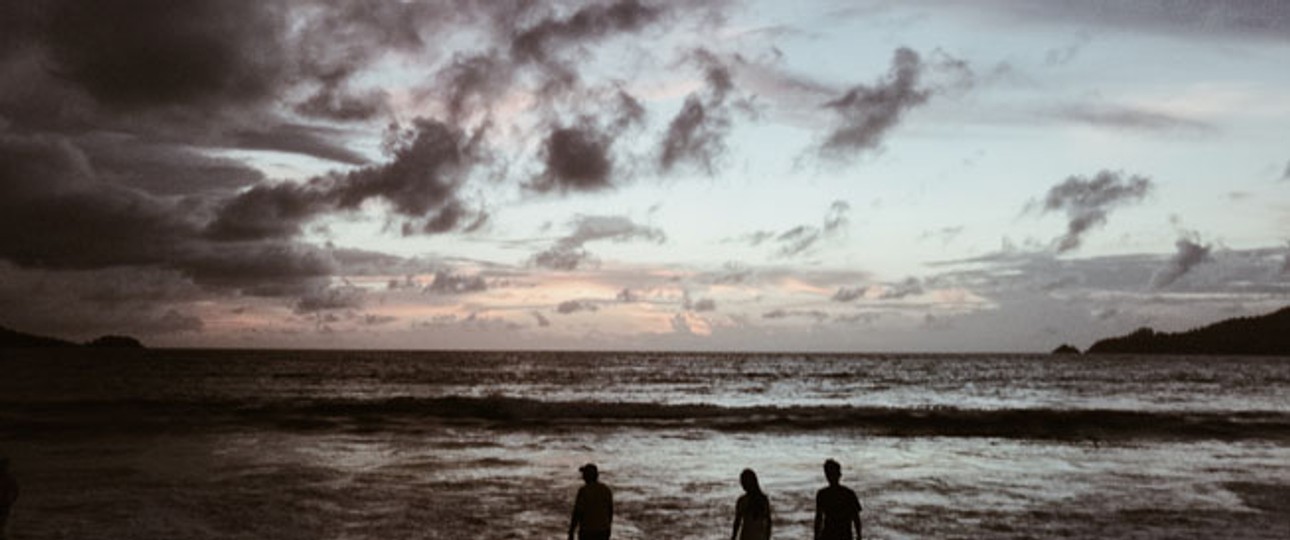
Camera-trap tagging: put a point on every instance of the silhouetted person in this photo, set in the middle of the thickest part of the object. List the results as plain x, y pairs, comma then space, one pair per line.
836, 507
752, 512
8, 495
593, 510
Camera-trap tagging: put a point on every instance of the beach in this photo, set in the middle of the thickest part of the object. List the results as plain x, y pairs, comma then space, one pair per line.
375, 445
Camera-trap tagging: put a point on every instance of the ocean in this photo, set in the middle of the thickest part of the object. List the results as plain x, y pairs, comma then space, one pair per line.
234, 444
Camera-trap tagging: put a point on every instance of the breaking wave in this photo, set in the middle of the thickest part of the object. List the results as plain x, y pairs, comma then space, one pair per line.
530, 414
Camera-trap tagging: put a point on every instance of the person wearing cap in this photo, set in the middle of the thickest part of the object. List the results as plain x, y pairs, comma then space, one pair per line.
593, 509
837, 508
8, 495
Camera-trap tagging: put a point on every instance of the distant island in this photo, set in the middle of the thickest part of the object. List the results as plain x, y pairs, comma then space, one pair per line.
13, 339
115, 342
1265, 335
1066, 348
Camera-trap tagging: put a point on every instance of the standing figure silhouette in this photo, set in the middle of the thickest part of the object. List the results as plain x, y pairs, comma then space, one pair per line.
752, 511
836, 507
593, 509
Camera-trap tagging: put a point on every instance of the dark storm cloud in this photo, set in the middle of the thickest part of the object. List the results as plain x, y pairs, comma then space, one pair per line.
704, 304
1129, 118
421, 181
1087, 201
424, 174
83, 304
208, 73
136, 54
568, 252
256, 268
1285, 176
165, 169
1285, 262
267, 211
697, 134
576, 159
56, 212
446, 282
1190, 253
541, 319
867, 112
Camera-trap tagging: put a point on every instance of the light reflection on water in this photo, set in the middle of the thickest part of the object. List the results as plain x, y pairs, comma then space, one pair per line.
668, 484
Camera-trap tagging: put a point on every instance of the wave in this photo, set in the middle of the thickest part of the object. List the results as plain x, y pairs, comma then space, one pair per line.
519, 413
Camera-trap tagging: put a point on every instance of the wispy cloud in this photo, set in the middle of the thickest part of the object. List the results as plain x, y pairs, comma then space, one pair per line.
801, 239
1088, 201
568, 252
1130, 118
865, 113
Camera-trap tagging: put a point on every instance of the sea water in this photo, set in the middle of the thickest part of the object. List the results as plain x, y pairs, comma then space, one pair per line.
184, 444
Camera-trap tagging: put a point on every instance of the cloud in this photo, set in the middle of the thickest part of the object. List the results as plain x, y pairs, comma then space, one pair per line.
541, 319
1060, 56
574, 306
1285, 175
1190, 253
696, 135
1129, 118
150, 53
681, 325
576, 159
848, 294
815, 314
568, 252
802, 238
51, 196
83, 304
541, 41
705, 304
163, 168
293, 138
1285, 263
446, 282
579, 157
888, 291
866, 113
330, 298
1240, 19
946, 235
429, 165
1088, 201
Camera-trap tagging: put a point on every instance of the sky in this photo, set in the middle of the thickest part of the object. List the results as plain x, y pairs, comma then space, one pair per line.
923, 175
